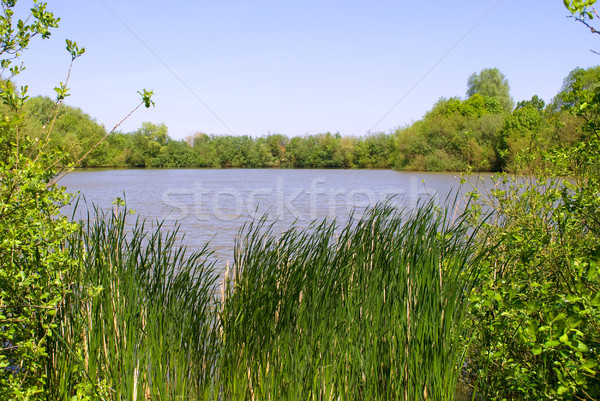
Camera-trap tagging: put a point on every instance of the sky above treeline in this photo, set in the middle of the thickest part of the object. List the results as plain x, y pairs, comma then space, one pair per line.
254, 67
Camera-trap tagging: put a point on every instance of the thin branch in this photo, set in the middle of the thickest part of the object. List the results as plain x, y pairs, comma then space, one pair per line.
60, 101
60, 176
587, 24
7, 321
55, 116
26, 306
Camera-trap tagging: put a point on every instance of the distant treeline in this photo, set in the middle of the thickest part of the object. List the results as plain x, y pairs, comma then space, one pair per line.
484, 132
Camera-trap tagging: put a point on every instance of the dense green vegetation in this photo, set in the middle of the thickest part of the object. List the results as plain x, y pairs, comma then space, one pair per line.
483, 132
308, 314
501, 297
536, 311
33, 260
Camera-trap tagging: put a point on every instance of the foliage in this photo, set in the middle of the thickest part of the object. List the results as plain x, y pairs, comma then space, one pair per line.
524, 135
35, 264
33, 261
16, 35
578, 6
535, 102
147, 98
454, 135
147, 143
490, 82
74, 132
575, 83
537, 313
584, 12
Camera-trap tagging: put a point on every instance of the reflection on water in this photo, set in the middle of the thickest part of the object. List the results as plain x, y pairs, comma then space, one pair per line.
212, 205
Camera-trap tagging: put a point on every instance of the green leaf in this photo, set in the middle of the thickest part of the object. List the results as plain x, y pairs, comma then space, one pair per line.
595, 301
147, 98
532, 328
592, 270
582, 347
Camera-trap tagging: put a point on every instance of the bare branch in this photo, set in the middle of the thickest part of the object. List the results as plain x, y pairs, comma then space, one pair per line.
58, 177
587, 24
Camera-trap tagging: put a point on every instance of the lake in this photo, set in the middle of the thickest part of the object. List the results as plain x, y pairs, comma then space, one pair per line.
212, 204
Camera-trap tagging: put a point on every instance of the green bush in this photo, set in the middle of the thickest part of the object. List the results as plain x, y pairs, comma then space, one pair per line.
36, 265
537, 312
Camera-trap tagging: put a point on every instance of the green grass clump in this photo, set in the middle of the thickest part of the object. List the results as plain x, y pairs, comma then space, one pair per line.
372, 310
139, 322
374, 313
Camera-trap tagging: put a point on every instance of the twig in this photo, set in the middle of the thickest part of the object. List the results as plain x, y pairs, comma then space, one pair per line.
61, 175
587, 24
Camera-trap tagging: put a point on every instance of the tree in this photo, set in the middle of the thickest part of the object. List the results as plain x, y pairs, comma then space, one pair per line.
176, 154
157, 133
74, 132
277, 146
490, 82
522, 136
574, 84
300, 151
535, 102
35, 262
205, 150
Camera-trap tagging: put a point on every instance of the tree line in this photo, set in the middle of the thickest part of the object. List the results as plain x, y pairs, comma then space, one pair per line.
482, 132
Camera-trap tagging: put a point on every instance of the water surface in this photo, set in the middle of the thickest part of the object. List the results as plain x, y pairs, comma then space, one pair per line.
212, 204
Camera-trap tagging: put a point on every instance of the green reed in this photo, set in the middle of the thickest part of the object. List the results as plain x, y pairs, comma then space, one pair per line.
140, 321
372, 310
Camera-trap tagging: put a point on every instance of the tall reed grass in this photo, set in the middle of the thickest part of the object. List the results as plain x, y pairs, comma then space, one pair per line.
140, 322
372, 310
372, 313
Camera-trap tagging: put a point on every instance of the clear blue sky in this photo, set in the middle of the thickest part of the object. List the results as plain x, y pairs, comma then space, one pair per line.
300, 67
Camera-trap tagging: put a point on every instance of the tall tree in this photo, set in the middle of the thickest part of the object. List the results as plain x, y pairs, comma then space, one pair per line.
577, 82
490, 82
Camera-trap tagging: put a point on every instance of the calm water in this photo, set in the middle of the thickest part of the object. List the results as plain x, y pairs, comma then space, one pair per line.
211, 205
